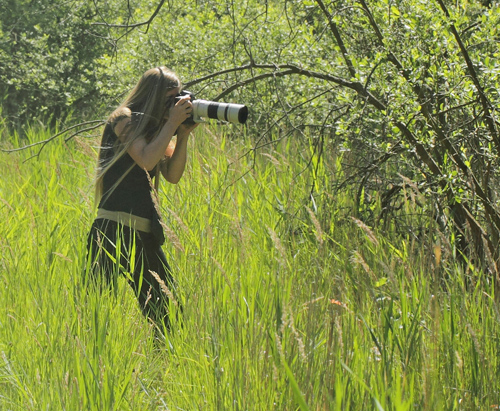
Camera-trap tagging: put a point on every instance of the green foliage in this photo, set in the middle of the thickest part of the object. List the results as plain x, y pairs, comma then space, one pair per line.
50, 55
382, 110
408, 90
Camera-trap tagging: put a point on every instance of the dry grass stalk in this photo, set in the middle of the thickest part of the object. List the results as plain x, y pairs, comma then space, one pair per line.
164, 287
369, 233
296, 334
357, 258
319, 232
181, 223
224, 274
278, 246
172, 237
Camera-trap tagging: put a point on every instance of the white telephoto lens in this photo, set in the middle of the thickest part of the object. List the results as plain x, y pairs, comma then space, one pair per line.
233, 113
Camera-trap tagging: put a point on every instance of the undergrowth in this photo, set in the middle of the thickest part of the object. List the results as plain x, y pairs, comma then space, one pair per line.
289, 303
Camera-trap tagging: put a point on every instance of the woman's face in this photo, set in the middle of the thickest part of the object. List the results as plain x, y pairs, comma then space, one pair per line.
171, 94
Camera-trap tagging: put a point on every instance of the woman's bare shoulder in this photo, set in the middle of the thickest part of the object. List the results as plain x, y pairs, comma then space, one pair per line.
120, 119
120, 114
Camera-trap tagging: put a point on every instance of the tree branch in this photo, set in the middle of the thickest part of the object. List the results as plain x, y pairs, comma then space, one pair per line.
281, 70
134, 25
335, 31
485, 103
43, 143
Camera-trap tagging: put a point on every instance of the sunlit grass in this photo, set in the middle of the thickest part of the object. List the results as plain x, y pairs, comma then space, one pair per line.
288, 302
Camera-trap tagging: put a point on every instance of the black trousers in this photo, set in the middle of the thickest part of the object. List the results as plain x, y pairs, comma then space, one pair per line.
115, 250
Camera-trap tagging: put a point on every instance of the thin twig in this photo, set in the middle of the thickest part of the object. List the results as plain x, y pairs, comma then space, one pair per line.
43, 143
281, 70
338, 38
485, 102
135, 25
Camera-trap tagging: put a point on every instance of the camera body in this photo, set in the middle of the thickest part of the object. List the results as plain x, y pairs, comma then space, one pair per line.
204, 109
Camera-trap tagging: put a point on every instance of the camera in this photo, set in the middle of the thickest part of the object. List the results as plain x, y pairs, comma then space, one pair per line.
202, 109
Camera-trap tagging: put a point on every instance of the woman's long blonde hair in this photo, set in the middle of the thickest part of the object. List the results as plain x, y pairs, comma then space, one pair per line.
148, 102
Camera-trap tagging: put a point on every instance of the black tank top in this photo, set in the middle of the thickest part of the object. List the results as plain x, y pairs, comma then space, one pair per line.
133, 194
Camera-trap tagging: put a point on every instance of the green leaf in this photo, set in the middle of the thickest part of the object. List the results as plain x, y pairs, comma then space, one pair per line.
299, 398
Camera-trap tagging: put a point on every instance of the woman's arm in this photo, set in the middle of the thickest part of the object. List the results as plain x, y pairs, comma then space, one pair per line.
148, 154
173, 167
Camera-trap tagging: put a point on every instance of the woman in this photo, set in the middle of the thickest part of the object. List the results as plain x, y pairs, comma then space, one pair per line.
137, 148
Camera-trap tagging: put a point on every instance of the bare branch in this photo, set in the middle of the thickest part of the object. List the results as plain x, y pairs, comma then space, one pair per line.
281, 70
43, 143
485, 103
338, 38
134, 25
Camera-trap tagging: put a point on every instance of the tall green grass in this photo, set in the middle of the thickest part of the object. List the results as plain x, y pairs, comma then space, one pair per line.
288, 302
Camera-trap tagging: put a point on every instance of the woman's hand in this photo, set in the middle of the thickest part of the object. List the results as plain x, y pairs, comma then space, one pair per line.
185, 129
147, 154
180, 112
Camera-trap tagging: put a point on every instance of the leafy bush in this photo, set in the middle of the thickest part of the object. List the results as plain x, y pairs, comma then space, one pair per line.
50, 54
